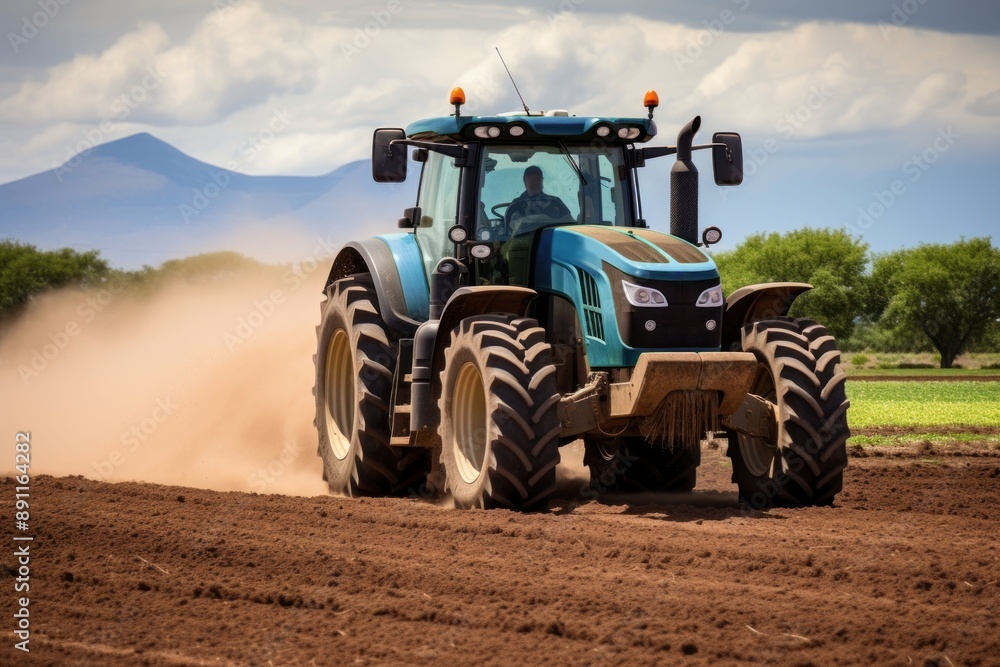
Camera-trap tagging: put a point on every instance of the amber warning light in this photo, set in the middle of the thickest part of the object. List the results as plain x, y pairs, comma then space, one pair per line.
651, 101
458, 99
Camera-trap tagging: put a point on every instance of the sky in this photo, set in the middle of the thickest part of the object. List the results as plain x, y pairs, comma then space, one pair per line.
879, 116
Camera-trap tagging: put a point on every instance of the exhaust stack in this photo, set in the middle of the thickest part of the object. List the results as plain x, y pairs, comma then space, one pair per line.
684, 186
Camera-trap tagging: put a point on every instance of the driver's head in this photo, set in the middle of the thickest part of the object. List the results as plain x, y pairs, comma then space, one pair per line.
533, 180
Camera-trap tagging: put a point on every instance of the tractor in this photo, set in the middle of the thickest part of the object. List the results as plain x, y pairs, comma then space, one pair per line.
528, 304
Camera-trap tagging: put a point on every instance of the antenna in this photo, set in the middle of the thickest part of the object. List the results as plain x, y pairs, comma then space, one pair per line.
512, 81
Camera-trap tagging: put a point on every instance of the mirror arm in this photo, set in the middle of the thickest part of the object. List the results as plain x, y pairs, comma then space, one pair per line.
457, 152
654, 152
729, 152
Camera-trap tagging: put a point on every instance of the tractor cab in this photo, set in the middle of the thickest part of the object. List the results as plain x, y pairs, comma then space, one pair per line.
492, 181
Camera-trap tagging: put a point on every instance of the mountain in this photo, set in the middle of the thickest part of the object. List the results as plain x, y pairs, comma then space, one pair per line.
140, 201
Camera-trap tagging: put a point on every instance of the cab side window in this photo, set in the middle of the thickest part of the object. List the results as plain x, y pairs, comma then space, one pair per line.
438, 202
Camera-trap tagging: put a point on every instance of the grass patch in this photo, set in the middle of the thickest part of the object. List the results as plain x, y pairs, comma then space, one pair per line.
893, 403
909, 439
923, 372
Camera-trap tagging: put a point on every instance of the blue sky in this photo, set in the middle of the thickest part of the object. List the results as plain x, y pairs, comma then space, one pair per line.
880, 116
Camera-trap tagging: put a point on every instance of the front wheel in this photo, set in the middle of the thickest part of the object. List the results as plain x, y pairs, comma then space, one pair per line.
499, 414
799, 373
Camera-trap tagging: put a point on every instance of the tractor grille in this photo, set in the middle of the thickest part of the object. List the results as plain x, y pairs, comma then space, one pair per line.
678, 325
592, 315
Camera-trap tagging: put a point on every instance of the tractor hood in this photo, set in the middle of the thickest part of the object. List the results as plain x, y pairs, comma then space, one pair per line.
635, 290
641, 253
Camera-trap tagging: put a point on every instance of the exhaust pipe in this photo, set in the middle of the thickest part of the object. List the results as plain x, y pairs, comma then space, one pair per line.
684, 186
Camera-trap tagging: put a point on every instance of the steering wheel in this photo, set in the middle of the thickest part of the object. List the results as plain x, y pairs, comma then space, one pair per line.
498, 214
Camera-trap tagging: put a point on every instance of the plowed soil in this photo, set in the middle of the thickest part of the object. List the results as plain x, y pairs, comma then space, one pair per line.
903, 570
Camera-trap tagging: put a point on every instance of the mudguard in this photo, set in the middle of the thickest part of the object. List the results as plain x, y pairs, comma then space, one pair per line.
403, 304
478, 300
756, 302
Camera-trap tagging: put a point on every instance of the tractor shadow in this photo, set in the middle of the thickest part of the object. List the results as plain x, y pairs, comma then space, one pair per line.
714, 499
696, 506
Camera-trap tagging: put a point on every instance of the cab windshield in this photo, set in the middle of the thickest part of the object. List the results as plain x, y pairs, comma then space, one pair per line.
526, 187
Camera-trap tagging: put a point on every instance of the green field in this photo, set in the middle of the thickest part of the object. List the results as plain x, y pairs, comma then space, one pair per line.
915, 404
991, 373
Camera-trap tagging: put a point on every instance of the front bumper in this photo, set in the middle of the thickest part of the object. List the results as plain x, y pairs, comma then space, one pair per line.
601, 406
731, 374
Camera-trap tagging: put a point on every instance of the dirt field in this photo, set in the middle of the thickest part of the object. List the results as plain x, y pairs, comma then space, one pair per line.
903, 570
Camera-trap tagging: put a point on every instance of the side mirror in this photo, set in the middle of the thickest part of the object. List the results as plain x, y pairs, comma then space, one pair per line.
388, 161
410, 219
727, 160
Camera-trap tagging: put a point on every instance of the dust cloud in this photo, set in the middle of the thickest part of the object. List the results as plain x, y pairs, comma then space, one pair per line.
204, 383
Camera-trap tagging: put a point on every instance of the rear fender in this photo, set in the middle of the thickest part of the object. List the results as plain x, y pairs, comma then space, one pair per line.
375, 257
756, 302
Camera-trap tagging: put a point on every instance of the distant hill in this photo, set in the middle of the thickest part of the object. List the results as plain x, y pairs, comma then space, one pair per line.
140, 201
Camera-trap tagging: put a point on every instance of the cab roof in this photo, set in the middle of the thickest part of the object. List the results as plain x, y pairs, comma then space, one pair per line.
532, 128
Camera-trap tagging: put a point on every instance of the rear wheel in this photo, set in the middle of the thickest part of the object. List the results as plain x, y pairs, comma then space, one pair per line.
355, 361
632, 464
799, 373
499, 414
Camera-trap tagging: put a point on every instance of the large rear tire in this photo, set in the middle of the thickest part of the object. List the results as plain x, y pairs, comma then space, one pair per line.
355, 360
629, 465
799, 373
499, 414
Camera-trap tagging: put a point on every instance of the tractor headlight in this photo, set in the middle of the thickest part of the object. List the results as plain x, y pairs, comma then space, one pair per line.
643, 297
710, 298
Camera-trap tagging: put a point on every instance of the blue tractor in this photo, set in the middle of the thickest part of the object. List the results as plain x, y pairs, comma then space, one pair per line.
529, 304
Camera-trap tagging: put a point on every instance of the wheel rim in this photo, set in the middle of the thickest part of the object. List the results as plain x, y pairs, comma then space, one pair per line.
339, 392
469, 419
758, 454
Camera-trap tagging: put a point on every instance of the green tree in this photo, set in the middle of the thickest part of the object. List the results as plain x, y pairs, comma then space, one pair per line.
26, 271
948, 293
832, 261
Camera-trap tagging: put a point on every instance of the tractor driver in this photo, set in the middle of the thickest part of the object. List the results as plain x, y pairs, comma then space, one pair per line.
534, 201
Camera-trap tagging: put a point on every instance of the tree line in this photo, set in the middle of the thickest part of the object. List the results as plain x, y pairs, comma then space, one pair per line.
931, 297
26, 272
942, 297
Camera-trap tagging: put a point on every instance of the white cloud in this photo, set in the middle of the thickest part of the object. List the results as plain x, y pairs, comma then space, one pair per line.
232, 60
222, 81
84, 88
